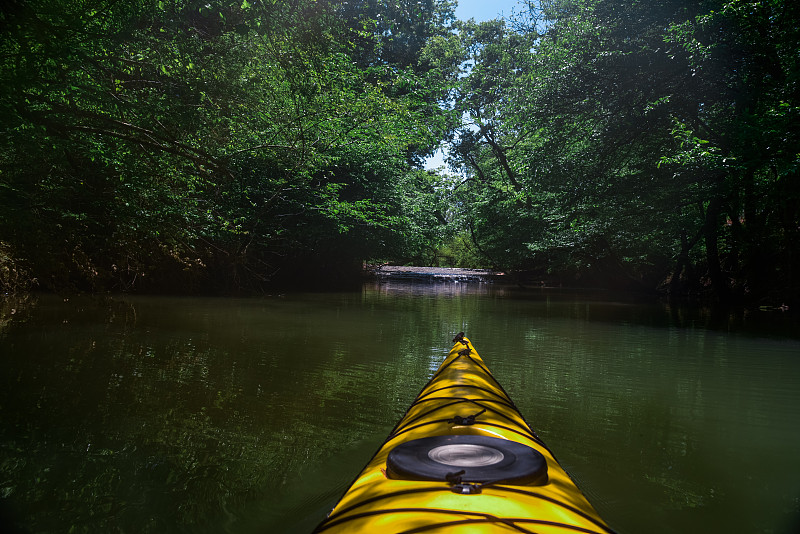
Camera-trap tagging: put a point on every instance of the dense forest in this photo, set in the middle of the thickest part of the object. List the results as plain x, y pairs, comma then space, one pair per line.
218, 146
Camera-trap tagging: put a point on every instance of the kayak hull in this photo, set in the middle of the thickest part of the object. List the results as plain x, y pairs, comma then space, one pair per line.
487, 471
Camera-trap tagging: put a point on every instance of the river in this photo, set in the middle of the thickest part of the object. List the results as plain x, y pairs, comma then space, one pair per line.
163, 415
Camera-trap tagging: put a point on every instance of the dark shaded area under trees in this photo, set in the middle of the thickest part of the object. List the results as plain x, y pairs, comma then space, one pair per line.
228, 147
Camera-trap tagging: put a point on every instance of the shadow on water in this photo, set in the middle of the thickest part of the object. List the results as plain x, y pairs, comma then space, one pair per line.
150, 414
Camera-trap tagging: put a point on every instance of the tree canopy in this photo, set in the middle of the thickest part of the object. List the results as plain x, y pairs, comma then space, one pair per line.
179, 143
227, 146
637, 144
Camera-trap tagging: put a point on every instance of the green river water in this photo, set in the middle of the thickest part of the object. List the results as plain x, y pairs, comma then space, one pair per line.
199, 415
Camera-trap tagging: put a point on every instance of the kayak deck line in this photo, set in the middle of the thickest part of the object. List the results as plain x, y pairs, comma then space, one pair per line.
457, 419
463, 460
499, 488
436, 421
482, 517
505, 399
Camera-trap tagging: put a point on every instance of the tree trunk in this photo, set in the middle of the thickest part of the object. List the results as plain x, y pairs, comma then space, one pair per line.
683, 263
719, 284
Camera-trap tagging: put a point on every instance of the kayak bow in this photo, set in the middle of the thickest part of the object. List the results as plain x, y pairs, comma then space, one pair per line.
463, 459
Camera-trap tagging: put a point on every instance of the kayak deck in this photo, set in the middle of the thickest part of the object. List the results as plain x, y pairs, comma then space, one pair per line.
463, 459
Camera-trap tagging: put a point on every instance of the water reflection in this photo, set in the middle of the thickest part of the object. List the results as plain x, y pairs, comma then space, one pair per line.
252, 415
443, 289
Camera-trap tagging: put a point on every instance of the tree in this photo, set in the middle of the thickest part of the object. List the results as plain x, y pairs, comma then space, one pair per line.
626, 128
207, 145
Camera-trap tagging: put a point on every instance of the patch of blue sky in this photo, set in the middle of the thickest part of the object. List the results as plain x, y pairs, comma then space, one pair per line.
481, 11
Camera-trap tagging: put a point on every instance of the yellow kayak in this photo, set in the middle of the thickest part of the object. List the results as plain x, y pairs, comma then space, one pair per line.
463, 460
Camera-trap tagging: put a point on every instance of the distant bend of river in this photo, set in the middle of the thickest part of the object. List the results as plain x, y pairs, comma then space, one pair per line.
167, 415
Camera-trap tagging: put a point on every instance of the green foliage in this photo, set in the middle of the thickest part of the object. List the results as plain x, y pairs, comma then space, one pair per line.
627, 143
223, 146
209, 146
461, 252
